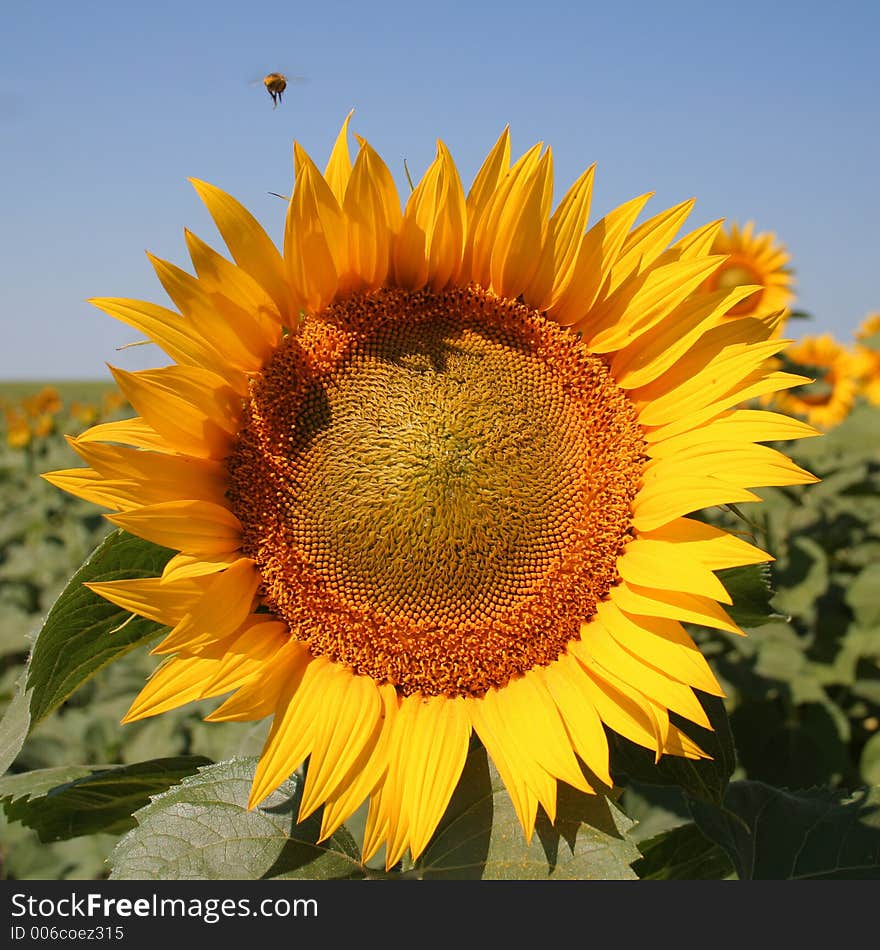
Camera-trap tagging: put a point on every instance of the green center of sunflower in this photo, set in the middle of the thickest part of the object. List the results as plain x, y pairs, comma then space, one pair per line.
435, 487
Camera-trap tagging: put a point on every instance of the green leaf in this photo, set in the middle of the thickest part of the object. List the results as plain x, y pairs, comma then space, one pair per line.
774, 834
751, 591
202, 830
83, 633
798, 746
14, 726
70, 801
869, 761
481, 837
862, 596
682, 854
804, 578
704, 779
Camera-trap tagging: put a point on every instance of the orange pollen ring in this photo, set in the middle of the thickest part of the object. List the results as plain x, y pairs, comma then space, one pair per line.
435, 487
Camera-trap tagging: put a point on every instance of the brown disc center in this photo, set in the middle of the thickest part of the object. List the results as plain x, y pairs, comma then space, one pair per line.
436, 487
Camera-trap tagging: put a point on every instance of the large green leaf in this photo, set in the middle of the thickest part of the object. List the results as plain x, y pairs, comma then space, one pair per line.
481, 837
14, 725
202, 830
70, 801
773, 834
83, 633
682, 854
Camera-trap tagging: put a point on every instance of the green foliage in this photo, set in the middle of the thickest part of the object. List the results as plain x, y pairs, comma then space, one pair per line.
773, 834
202, 829
84, 632
683, 853
70, 801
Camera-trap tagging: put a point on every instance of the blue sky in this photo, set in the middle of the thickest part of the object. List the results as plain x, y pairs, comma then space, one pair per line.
764, 112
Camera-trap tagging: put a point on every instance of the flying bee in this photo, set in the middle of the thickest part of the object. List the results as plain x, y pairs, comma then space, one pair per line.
276, 83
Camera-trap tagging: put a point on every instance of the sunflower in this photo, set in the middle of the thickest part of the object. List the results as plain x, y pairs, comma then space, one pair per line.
427, 470
828, 397
758, 261
869, 359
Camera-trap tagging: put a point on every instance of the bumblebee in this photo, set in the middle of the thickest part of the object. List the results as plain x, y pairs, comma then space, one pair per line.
275, 84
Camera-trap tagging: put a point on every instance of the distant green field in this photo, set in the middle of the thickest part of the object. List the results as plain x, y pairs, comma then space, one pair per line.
84, 390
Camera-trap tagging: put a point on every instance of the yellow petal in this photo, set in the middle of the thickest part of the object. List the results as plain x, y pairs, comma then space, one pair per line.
351, 708
290, 738
158, 476
134, 431
372, 208
218, 275
491, 173
519, 229
715, 548
667, 565
116, 494
259, 696
644, 302
197, 527
485, 229
738, 426
596, 643
251, 248
757, 384
661, 642
249, 653
425, 768
744, 465
338, 170
229, 598
149, 597
429, 247
695, 243
232, 330
723, 358
174, 684
523, 778
660, 501
690, 608
598, 251
178, 339
193, 410
652, 354
562, 245
629, 717
366, 771
315, 239
197, 565
564, 680
644, 244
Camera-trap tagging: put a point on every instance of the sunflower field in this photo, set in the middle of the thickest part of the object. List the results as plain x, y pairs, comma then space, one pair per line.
619, 724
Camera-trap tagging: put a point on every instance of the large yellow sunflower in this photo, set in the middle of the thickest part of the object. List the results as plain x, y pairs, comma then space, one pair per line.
829, 396
428, 471
758, 261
